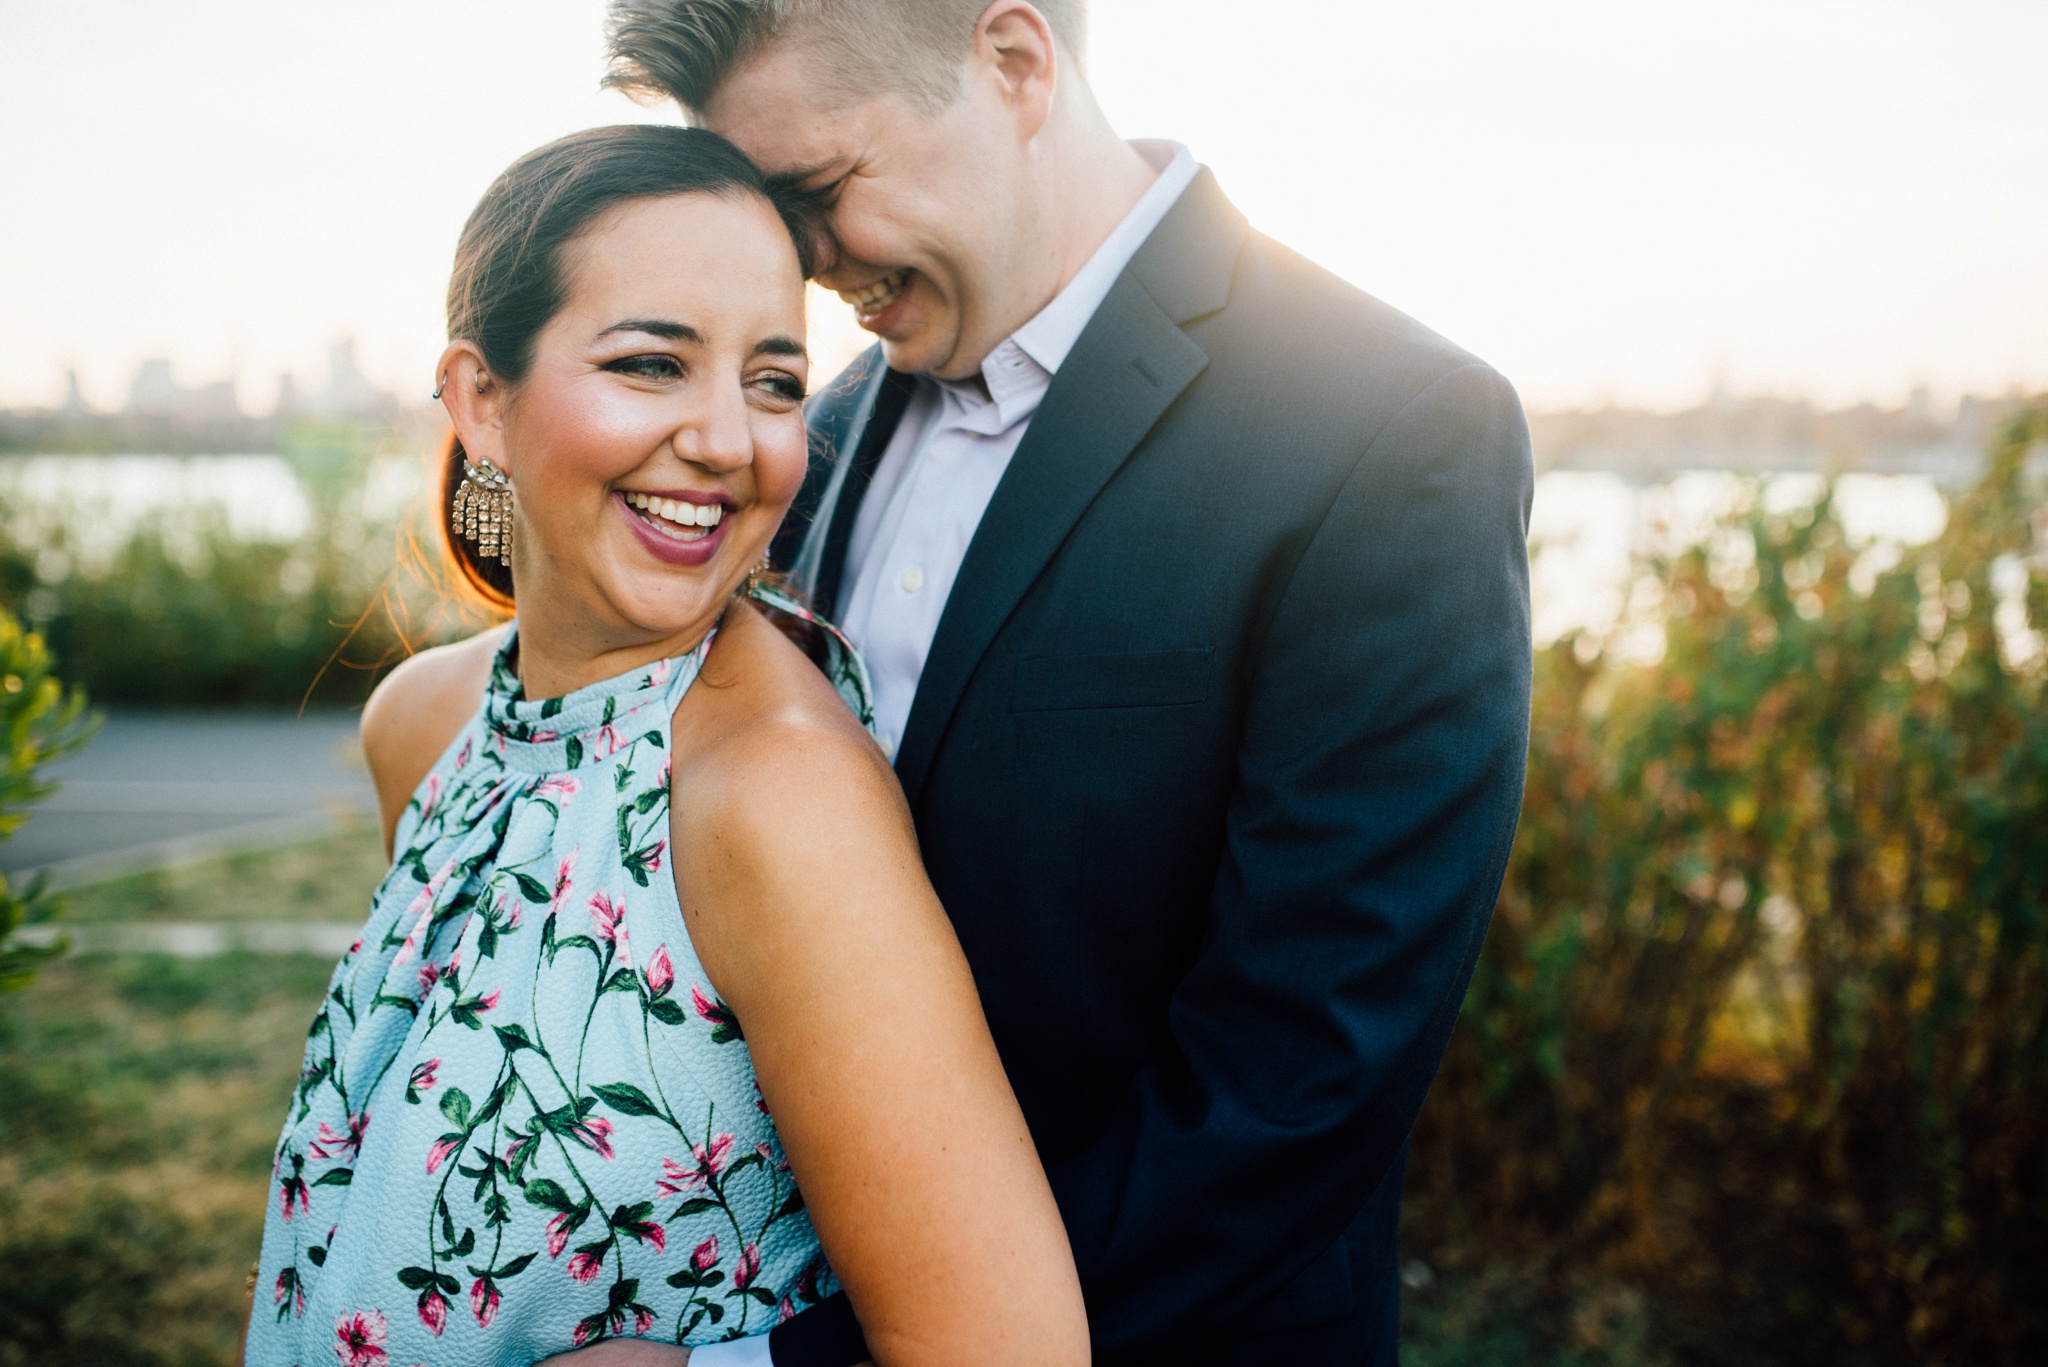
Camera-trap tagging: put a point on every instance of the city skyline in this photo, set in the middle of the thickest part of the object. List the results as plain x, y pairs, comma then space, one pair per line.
1835, 198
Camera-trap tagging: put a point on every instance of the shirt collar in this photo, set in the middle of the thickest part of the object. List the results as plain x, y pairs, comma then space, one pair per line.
1050, 335
1015, 376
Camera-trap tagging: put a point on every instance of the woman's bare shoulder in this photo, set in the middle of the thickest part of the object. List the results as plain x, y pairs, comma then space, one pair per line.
764, 735
419, 709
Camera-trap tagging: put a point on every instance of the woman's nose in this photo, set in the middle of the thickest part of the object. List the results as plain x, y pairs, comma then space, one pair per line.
719, 438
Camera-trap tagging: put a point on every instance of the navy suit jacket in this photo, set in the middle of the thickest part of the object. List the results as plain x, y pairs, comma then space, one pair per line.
1215, 763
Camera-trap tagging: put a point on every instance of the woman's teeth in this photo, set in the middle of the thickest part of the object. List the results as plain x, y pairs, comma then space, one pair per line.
878, 296
673, 517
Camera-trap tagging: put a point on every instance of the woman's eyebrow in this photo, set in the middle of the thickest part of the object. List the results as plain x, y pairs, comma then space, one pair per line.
656, 327
780, 346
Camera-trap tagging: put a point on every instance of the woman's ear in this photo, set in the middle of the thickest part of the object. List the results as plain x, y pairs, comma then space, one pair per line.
475, 400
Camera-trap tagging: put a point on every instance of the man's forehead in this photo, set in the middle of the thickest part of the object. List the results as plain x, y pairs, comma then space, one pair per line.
769, 109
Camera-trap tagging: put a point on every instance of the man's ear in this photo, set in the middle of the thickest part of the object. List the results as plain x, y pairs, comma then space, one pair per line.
1013, 41
475, 400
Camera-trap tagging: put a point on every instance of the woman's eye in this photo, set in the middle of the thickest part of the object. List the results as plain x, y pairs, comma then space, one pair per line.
653, 366
782, 385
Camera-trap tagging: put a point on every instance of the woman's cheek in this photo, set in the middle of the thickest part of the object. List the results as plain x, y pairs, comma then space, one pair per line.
781, 454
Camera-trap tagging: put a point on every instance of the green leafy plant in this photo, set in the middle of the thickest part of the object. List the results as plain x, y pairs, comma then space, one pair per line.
1762, 1023
40, 720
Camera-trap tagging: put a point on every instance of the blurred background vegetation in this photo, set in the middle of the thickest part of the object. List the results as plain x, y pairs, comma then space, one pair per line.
1751, 1071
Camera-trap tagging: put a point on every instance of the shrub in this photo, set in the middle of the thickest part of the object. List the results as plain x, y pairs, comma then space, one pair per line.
186, 613
39, 720
1763, 1019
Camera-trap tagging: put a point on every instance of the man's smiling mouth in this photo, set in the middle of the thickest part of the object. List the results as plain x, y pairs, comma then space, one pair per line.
869, 301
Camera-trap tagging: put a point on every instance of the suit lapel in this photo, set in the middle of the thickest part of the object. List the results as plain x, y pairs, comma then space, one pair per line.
860, 412
1130, 363
891, 397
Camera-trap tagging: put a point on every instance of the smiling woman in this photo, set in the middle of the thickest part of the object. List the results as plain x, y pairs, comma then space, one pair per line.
507, 284
629, 920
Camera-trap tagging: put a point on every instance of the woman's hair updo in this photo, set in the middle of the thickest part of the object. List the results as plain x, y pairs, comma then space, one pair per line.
508, 279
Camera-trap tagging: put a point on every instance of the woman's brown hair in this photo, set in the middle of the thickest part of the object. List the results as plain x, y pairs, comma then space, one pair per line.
508, 278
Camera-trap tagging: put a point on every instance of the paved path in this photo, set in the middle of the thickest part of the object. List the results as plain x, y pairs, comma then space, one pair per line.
198, 939
158, 788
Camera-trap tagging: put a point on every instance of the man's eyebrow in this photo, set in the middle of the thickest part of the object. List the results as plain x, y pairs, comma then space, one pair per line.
780, 346
656, 327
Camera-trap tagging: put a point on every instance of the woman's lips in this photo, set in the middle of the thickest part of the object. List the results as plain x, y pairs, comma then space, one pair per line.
671, 543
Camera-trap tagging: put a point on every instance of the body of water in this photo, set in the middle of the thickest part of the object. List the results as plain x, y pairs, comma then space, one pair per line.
1584, 527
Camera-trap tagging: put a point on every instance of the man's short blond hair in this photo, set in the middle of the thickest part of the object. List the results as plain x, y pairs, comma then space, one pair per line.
685, 49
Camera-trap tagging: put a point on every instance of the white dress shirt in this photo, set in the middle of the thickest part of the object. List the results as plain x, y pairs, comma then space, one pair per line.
949, 452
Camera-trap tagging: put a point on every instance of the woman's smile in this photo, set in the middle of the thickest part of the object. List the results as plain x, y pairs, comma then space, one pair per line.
680, 528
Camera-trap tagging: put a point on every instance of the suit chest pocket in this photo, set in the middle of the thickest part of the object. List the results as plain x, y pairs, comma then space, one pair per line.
1156, 678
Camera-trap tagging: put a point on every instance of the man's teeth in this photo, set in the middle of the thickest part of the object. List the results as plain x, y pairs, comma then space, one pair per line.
879, 295
696, 519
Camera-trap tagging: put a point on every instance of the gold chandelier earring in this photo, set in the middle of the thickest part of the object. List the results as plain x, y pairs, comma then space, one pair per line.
482, 511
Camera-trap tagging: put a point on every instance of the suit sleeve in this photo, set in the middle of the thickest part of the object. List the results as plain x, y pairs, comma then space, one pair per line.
1378, 781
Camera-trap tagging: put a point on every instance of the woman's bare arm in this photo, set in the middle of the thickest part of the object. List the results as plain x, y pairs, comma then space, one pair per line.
799, 874
417, 712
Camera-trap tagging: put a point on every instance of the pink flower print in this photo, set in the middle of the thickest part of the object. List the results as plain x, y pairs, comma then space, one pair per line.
462, 755
489, 1000
559, 790
561, 896
434, 1310
422, 1079
643, 1320
584, 1267
438, 1155
509, 909
711, 1160
658, 675
653, 854
607, 742
483, 1301
357, 947
541, 737
558, 1234
331, 1144
748, 1269
293, 1191
609, 919
433, 796
647, 1232
417, 908
359, 1339
430, 973
595, 1132
785, 1312
661, 974
704, 1005
705, 1256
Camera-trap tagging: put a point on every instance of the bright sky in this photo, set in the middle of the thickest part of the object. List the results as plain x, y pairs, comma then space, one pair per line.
1606, 198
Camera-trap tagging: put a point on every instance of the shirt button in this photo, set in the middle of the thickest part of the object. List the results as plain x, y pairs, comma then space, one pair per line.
913, 580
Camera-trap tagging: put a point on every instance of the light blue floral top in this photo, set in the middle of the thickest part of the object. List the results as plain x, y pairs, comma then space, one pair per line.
526, 1121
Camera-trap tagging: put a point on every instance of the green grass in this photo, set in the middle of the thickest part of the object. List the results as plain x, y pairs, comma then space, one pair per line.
139, 1099
322, 880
